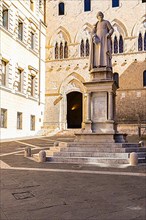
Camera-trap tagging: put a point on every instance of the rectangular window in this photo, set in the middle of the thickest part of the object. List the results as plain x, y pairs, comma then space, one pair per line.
115, 3
3, 118
5, 17
32, 85
32, 122
32, 40
19, 80
20, 30
87, 5
4, 73
19, 120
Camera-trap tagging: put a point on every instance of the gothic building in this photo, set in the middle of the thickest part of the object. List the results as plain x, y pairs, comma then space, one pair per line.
22, 67
69, 24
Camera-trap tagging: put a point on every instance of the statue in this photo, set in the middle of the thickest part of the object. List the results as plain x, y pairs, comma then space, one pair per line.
101, 48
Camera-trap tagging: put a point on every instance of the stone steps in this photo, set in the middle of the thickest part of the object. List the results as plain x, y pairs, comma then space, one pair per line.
88, 160
92, 154
105, 150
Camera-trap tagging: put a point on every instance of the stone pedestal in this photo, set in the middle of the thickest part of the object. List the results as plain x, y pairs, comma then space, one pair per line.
101, 92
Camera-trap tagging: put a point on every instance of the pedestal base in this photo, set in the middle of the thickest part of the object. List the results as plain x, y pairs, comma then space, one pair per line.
94, 137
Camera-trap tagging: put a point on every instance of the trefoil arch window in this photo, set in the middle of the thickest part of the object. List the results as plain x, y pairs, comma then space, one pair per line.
61, 50
121, 47
66, 50
115, 45
82, 48
87, 48
56, 51
140, 47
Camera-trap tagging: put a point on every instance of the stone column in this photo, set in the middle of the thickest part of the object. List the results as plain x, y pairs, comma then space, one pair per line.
88, 114
110, 106
88, 118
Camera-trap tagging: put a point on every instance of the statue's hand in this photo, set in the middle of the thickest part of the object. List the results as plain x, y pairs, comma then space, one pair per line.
96, 39
108, 35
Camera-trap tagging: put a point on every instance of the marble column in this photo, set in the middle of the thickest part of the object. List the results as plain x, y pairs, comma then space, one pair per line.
110, 106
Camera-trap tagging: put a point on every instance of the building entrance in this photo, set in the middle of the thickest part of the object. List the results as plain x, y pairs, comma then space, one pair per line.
74, 110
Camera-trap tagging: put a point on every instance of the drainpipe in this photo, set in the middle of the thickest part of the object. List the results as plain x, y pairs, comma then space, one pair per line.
40, 30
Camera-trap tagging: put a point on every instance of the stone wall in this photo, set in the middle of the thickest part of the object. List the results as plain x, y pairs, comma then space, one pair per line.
66, 75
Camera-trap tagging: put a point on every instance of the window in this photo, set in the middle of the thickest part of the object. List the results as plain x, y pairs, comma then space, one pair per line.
144, 78
121, 44
56, 51
19, 120
65, 50
32, 85
145, 41
20, 30
32, 37
115, 45
4, 73
32, 122
87, 5
5, 17
116, 78
87, 48
19, 80
82, 48
140, 48
61, 50
32, 5
143, 1
115, 3
61, 8
3, 118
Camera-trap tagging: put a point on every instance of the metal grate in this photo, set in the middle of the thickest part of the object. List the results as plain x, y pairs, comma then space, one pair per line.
23, 195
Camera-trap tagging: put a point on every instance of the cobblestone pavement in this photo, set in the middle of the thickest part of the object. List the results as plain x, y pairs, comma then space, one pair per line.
44, 191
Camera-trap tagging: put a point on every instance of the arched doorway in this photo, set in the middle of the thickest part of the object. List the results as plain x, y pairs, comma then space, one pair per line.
74, 110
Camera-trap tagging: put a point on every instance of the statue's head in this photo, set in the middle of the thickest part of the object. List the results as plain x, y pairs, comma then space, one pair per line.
100, 15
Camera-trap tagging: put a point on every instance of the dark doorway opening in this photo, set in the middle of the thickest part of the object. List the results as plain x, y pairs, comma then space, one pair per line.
74, 110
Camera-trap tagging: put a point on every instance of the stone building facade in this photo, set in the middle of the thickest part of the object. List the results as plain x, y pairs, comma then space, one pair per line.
22, 67
69, 24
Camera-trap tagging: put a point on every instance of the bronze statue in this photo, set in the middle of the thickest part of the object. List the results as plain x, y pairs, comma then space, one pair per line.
101, 48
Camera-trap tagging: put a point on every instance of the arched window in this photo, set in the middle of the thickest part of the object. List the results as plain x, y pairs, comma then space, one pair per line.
65, 50
121, 44
115, 45
145, 41
140, 42
61, 8
116, 78
61, 50
82, 48
87, 48
144, 78
56, 51
87, 5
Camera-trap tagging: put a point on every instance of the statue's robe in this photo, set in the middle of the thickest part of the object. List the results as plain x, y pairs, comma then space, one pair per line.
101, 48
